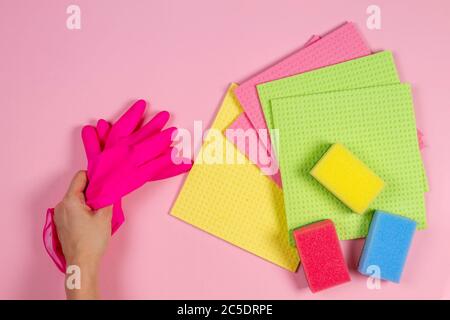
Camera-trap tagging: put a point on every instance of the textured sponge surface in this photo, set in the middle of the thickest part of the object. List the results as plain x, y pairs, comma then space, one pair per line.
321, 255
387, 246
348, 178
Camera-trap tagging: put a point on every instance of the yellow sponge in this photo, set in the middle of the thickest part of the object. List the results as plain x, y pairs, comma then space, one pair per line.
349, 179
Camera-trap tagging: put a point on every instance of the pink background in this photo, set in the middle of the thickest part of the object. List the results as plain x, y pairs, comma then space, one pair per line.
181, 55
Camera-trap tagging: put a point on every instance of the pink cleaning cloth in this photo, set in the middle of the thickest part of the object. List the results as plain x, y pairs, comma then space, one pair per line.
342, 44
244, 124
121, 158
336, 48
421, 139
259, 155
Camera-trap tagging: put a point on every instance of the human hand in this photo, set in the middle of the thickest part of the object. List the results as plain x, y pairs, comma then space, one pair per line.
121, 157
84, 235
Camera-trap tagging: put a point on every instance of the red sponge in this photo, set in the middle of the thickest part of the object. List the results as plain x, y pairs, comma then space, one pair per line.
321, 255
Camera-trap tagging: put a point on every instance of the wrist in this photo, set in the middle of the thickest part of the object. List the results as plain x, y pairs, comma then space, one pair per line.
87, 264
82, 278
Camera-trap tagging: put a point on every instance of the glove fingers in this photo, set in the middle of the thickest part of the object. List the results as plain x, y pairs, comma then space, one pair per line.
152, 127
103, 129
132, 178
148, 171
152, 147
173, 170
120, 185
127, 123
176, 166
90, 141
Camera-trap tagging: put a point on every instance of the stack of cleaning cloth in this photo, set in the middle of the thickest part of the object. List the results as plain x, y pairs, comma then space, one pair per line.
332, 90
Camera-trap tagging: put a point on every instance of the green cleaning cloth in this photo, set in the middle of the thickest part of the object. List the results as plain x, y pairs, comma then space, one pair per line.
370, 71
377, 125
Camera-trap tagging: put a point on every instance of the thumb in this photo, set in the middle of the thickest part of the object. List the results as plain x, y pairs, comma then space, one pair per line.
78, 183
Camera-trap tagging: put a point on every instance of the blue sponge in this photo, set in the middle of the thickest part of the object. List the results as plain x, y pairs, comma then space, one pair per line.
387, 246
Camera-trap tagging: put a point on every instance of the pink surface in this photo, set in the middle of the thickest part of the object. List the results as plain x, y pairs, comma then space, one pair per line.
320, 251
53, 79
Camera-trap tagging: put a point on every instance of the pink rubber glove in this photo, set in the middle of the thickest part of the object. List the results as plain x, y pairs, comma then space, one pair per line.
102, 133
130, 158
120, 160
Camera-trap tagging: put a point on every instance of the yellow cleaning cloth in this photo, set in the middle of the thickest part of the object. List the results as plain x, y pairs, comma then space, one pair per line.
235, 202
